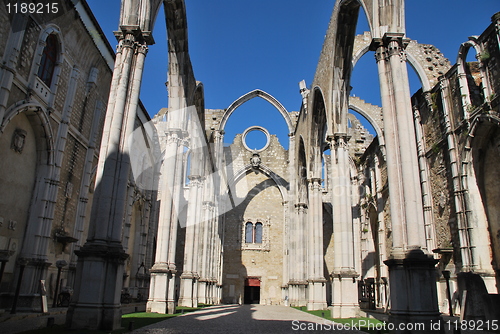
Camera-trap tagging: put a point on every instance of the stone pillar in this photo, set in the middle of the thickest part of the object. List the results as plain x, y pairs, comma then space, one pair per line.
412, 273
344, 284
96, 300
206, 240
164, 270
430, 229
189, 275
299, 282
316, 290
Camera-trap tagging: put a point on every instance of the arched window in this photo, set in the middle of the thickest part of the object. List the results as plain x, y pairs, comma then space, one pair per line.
249, 232
258, 233
49, 58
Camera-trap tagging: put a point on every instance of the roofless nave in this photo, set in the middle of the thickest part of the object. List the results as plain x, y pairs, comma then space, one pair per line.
160, 208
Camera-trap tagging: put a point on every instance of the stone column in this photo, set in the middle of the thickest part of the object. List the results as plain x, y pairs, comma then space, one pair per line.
206, 240
298, 282
164, 270
344, 284
430, 229
412, 273
316, 290
99, 275
189, 275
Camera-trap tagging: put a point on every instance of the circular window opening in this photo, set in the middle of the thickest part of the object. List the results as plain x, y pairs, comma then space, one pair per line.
256, 138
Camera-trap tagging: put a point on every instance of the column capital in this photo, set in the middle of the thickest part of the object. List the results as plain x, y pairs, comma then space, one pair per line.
195, 180
301, 207
338, 140
208, 204
314, 181
142, 48
389, 45
143, 37
174, 135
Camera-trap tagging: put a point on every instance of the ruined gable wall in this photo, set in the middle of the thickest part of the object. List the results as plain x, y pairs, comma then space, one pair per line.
257, 199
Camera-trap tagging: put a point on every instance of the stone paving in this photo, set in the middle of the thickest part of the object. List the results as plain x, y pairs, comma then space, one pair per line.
21, 322
243, 319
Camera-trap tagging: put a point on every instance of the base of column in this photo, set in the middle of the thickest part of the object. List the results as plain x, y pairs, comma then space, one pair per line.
96, 300
162, 307
94, 317
186, 295
317, 295
297, 293
162, 278
345, 302
413, 291
202, 292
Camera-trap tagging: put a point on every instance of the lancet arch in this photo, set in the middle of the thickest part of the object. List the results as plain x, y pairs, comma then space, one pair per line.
282, 185
250, 95
41, 125
377, 124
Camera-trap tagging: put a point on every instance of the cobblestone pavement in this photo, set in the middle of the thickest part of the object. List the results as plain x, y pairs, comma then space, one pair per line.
242, 319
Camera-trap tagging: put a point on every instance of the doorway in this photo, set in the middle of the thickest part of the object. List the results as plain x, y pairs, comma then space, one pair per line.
252, 290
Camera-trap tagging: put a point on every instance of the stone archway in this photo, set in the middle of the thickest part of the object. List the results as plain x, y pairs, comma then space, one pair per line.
250, 95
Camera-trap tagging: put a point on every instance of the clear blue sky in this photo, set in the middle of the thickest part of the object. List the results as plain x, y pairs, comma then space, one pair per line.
237, 46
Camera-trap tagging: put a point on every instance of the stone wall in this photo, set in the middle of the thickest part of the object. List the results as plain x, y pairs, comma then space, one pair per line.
47, 188
257, 199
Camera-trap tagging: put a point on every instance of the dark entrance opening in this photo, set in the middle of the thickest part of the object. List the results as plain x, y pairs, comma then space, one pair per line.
252, 291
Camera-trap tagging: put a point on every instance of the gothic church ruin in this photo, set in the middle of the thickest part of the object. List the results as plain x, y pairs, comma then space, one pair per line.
107, 205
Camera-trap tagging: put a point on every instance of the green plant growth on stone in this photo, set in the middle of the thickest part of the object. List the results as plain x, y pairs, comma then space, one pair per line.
469, 108
435, 148
434, 98
484, 56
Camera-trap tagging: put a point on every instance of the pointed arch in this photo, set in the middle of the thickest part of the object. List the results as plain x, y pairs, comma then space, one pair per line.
413, 53
41, 124
281, 183
369, 117
319, 129
250, 95
480, 153
302, 173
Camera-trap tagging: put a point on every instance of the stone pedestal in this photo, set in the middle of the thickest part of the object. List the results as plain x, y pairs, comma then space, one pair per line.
162, 282
202, 292
317, 295
96, 300
345, 295
188, 283
413, 290
297, 293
